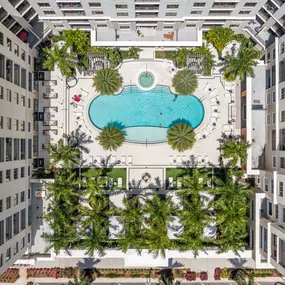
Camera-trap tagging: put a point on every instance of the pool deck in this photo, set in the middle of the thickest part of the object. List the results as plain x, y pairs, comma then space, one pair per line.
210, 90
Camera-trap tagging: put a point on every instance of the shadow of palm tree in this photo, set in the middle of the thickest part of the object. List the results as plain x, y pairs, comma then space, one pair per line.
238, 262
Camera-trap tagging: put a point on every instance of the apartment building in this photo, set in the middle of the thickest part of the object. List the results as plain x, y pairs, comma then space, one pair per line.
146, 22
17, 134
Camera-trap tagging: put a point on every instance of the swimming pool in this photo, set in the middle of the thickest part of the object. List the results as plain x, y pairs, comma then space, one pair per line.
145, 115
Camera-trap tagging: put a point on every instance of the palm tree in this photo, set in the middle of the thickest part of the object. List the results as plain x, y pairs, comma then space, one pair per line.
185, 82
235, 150
107, 81
111, 138
94, 224
241, 278
231, 207
82, 280
131, 216
61, 58
158, 213
181, 136
242, 64
78, 40
62, 155
167, 278
114, 56
133, 52
78, 140
180, 59
195, 216
219, 37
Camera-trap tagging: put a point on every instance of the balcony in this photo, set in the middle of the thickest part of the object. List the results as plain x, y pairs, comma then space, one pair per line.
255, 36
23, 7
270, 8
263, 14
14, 2
147, 15
145, 37
223, 5
220, 13
147, 8
70, 5
30, 14
70, 13
147, 1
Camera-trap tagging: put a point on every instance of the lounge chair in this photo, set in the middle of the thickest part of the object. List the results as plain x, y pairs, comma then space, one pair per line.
120, 182
198, 136
208, 85
213, 99
179, 159
130, 160
113, 159
184, 159
213, 93
227, 127
80, 107
123, 159
99, 159
171, 162
179, 182
170, 181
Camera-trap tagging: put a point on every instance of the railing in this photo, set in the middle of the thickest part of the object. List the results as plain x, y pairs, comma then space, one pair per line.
270, 7
69, 5
147, 1
254, 33
219, 5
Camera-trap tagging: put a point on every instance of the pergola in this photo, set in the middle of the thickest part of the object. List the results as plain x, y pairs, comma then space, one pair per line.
96, 61
195, 62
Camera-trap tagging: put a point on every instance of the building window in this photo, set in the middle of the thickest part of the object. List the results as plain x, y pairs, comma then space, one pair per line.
15, 173
268, 119
282, 48
1, 206
44, 4
22, 196
198, 12
16, 248
282, 162
121, 6
283, 215
1, 92
1, 260
266, 184
282, 96
8, 202
250, 4
49, 12
273, 139
172, 6
276, 212
273, 161
122, 14
280, 189
95, 4
273, 118
23, 55
199, 4
8, 254
272, 185
1, 39
268, 99
9, 95
9, 44
268, 57
8, 175
244, 12
273, 97
97, 13
22, 172
29, 193
269, 208
274, 53
16, 199
282, 119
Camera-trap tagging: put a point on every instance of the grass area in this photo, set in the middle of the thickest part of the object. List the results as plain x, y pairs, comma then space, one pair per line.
115, 173
168, 54
175, 172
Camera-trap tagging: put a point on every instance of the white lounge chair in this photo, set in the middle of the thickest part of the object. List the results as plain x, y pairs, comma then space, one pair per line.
179, 159
171, 162
227, 127
113, 159
120, 182
123, 159
207, 87
170, 181
130, 159
80, 107
214, 99
213, 93
77, 114
198, 136
184, 159
206, 160
199, 160
99, 159
111, 182
179, 182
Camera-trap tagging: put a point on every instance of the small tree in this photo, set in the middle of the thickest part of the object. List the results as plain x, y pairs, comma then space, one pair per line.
82, 280
134, 52
185, 82
235, 150
181, 137
219, 37
111, 138
107, 81
78, 40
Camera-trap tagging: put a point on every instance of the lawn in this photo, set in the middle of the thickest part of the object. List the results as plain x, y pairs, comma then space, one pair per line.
175, 172
115, 173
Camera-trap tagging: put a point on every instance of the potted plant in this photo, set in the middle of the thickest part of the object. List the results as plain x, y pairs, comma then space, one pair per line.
217, 273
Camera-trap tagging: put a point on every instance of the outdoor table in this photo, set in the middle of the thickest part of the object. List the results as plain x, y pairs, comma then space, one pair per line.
74, 105
214, 124
210, 89
218, 102
216, 110
204, 136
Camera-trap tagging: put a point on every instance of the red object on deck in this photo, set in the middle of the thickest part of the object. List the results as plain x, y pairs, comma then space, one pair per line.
23, 35
76, 98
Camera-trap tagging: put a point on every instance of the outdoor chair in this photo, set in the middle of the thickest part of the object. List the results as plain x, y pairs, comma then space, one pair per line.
123, 159
120, 182
170, 182
130, 159
179, 182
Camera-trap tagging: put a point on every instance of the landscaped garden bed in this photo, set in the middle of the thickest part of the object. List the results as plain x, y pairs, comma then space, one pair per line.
10, 276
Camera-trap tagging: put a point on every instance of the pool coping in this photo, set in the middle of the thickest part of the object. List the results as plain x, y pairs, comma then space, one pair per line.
133, 142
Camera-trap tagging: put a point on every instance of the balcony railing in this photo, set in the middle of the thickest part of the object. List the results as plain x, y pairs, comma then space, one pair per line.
270, 7
147, 1
69, 5
224, 6
255, 34
147, 15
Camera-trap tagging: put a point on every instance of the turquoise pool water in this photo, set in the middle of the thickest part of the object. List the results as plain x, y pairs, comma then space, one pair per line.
145, 115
